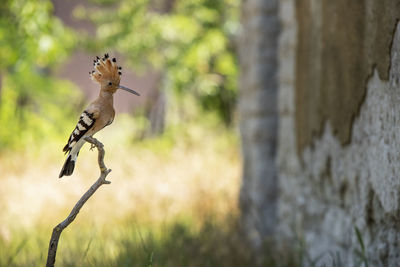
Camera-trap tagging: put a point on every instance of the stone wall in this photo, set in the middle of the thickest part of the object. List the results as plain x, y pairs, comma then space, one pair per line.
339, 127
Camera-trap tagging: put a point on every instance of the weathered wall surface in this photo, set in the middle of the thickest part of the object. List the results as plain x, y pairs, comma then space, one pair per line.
339, 128
338, 45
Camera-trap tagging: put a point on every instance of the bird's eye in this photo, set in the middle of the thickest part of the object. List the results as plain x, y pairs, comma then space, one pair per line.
110, 83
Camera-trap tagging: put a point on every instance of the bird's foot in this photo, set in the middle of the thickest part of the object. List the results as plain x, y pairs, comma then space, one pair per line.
91, 147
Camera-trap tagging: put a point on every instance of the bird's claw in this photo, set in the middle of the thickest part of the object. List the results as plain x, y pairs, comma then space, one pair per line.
91, 147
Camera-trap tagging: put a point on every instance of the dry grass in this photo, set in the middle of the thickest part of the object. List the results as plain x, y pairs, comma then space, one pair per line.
161, 187
172, 202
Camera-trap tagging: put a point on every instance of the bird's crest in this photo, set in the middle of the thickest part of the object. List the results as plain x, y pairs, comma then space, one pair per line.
106, 69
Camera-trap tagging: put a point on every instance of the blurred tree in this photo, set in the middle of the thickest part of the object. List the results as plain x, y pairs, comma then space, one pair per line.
32, 42
258, 50
190, 41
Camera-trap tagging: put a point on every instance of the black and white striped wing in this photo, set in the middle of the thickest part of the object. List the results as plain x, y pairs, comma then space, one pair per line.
86, 121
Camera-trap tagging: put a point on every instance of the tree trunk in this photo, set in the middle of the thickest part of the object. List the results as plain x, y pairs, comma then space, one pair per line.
258, 46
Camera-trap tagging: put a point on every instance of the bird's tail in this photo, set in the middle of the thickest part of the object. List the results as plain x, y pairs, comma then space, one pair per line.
68, 167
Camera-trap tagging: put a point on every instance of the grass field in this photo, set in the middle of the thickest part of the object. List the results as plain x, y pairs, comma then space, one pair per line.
172, 201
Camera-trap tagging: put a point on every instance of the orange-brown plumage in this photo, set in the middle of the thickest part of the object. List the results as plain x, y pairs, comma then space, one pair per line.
106, 70
100, 112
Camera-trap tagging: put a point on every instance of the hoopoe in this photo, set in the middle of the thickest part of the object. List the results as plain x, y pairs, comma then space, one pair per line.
100, 112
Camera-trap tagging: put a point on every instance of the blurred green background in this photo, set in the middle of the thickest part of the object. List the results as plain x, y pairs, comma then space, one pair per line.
173, 151
187, 46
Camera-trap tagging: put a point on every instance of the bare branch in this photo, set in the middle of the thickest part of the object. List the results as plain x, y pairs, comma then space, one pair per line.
55, 236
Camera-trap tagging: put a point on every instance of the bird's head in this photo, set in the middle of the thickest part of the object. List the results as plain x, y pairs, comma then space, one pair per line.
108, 74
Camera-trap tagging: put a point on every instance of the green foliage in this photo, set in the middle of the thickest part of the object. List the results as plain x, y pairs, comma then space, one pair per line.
32, 42
190, 41
30, 109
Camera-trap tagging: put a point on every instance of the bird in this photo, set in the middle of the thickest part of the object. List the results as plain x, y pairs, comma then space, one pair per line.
99, 114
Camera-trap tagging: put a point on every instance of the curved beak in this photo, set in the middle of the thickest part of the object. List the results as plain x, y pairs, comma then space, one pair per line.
129, 90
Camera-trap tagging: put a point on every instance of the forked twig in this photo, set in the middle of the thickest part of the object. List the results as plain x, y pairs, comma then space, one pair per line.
55, 236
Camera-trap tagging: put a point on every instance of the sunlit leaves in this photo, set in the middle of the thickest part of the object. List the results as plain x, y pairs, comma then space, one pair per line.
190, 41
32, 41
32, 34
178, 29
